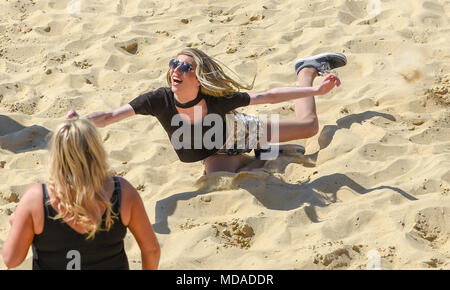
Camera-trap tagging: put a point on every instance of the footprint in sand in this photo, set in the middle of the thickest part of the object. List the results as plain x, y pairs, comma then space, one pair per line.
129, 47
430, 225
380, 152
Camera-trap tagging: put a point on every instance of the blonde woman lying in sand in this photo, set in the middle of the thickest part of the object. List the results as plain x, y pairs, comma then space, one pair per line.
200, 91
79, 219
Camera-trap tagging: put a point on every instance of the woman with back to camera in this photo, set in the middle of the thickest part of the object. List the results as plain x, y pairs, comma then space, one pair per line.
79, 218
199, 84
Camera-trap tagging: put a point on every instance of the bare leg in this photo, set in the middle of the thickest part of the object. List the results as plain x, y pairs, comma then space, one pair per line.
253, 165
222, 163
304, 126
305, 108
306, 123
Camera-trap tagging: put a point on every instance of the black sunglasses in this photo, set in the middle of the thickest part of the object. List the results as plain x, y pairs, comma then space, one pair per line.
184, 66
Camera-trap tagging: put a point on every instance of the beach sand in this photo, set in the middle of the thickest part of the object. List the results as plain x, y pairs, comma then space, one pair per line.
373, 189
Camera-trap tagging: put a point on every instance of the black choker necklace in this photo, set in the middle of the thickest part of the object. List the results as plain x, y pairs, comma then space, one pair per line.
190, 103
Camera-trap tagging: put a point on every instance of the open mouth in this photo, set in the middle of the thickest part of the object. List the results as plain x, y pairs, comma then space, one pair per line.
176, 80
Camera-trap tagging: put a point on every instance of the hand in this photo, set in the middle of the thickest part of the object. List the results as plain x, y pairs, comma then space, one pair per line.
71, 114
328, 83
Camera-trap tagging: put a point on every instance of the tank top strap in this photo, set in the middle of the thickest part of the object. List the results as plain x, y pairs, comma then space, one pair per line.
117, 194
48, 209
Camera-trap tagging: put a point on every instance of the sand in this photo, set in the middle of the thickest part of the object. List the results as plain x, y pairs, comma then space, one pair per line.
373, 189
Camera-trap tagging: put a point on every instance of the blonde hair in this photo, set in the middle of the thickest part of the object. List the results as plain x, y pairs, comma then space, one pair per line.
78, 170
213, 80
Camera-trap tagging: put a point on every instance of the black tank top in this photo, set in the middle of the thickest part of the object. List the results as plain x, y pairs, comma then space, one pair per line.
161, 104
59, 247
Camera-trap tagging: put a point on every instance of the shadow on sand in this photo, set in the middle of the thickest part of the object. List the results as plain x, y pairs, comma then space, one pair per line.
17, 138
279, 195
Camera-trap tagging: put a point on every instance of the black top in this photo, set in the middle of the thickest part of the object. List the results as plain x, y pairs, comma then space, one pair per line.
59, 246
161, 104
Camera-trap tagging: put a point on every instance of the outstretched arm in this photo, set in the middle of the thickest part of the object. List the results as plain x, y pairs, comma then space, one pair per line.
102, 119
284, 94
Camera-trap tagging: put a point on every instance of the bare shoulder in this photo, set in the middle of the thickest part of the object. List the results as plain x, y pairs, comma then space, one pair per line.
31, 204
33, 197
129, 197
128, 190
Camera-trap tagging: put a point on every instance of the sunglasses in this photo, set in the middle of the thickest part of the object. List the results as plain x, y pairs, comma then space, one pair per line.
184, 66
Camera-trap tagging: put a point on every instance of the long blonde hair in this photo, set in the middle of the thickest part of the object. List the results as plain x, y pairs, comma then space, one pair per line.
78, 170
213, 80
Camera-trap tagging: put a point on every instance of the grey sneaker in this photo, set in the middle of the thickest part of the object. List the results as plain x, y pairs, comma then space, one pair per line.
323, 62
